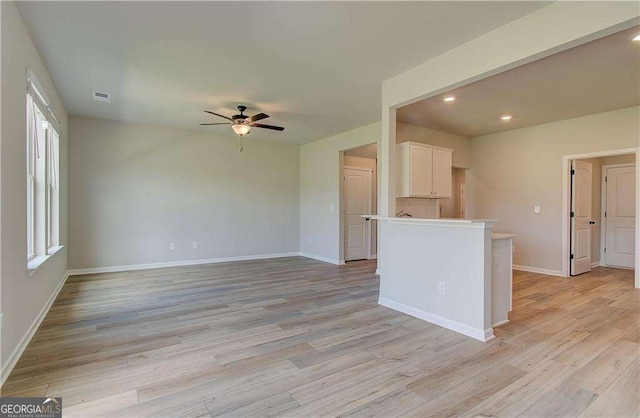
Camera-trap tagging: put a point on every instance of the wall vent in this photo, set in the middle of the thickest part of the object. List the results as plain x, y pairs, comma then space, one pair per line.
101, 96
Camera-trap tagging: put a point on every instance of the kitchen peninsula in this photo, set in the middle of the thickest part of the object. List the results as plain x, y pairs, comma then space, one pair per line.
451, 272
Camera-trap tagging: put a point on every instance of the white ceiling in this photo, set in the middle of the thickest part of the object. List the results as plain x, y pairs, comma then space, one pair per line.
595, 77
315, 67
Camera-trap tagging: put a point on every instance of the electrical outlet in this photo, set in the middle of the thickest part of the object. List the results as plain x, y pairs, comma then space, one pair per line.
331, 208
496, 261
172, 246
194, 245
536, 209
309, 240
513, 248
442, 288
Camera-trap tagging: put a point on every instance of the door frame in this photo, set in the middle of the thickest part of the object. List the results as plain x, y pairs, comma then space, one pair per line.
344, 218
566, 197
603, 204
341, 217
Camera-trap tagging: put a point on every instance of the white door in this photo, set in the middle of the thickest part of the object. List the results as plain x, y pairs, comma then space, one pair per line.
581, 217
421, 172
620, 217
441, 173
357, 202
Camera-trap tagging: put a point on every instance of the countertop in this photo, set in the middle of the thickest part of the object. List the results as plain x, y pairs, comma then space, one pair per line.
428, 220
502, 236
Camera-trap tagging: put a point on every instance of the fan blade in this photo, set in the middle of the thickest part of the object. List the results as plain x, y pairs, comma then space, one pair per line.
275, 128
258, 117
209, 124
216, 114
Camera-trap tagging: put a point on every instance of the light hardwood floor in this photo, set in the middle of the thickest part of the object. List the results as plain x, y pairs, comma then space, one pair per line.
296, 337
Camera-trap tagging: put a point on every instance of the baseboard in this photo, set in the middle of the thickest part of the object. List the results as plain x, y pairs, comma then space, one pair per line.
115, 269
476, 333
538, 270
13, 358
596, 264
373, 257
497, 324
320, 258
377, 271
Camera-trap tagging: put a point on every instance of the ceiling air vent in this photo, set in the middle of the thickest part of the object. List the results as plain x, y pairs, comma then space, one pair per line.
101, 97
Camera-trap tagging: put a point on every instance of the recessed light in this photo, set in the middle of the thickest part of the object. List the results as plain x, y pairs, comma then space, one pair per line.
636, 38
449, 99
506, 117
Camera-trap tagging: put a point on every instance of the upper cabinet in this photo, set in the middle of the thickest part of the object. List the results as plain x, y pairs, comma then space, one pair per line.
423, 171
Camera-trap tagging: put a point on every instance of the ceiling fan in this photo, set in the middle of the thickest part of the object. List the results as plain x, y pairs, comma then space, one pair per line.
242, 124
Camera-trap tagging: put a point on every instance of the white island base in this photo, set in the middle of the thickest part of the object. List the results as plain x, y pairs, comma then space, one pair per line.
443, 271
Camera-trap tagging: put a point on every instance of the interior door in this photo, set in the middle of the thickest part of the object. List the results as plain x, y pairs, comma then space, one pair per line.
357, 202
581, 217
620, 216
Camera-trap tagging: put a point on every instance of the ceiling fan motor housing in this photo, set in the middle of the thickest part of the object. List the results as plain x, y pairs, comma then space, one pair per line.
241, 118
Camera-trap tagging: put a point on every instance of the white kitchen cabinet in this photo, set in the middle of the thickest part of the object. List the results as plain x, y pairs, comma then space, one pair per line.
423, 171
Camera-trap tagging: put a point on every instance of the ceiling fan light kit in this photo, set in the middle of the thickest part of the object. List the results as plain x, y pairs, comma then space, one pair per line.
241, 129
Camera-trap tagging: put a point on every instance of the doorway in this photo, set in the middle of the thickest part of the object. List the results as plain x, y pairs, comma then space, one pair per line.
359, 197
602, 212
455, 206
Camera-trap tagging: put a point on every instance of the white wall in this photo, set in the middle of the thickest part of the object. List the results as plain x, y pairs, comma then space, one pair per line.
134, 189
515, 170
320, 189
371, 164
23, 296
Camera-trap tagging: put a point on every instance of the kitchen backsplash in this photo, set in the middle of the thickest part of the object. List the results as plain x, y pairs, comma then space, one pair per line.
419, 208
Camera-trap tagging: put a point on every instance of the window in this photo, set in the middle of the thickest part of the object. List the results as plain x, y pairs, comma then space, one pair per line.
43, 189
52, 191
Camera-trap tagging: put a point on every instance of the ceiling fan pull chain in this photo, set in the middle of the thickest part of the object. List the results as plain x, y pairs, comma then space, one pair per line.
241, 143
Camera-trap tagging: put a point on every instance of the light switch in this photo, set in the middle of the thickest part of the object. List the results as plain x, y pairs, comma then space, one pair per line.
536, 209
331, 208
